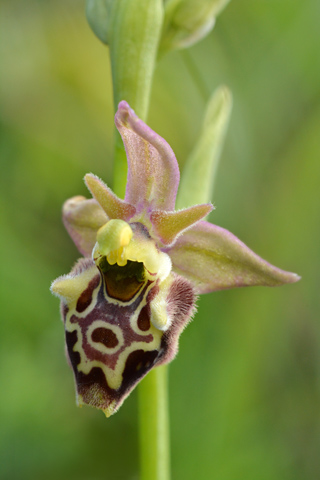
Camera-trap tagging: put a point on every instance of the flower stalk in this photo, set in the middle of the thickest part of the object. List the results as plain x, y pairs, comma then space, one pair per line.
154, 426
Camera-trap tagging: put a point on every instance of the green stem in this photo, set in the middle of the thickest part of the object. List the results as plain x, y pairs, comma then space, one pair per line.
154, 426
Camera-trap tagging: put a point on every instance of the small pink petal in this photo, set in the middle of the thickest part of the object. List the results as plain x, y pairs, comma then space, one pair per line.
82, 219
168, 225
214, 259
111, 204
153, 172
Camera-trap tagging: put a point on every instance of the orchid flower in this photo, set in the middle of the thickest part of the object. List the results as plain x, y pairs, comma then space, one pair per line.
126, 301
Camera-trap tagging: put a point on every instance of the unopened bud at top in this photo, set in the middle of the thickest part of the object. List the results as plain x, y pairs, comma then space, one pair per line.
98, 16
188, 21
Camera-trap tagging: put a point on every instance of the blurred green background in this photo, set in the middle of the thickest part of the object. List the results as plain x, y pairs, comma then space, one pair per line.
244, 389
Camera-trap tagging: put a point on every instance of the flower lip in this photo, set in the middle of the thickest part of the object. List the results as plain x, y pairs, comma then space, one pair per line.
122, 282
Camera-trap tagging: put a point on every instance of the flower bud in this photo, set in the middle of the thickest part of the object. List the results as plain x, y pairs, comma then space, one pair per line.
98, 16
188, 21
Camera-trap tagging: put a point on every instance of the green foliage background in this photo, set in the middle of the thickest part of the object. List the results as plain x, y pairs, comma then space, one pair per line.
245, 386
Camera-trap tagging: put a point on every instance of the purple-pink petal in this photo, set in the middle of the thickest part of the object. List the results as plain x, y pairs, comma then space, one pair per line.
82, 219
153, 172
213, 259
